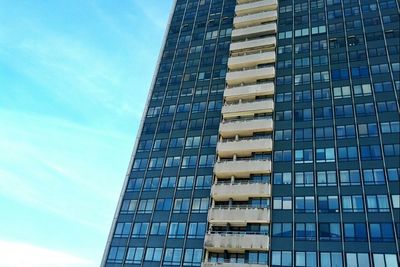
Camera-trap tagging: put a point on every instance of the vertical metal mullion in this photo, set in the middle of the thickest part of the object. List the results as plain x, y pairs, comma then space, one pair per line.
292, 172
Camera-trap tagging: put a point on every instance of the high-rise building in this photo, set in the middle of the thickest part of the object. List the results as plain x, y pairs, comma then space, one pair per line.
271, 137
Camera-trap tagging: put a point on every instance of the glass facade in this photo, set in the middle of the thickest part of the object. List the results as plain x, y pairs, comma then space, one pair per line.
330, 169
336, 95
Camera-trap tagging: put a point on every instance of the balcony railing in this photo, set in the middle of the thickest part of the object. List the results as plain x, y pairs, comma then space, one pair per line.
254, 31
246, 101
240, 192
237, 233
263, 66
250, 52
219, 242
248, 84
251, 61
257, 42
254, 19
242, 168
245, 127
242, 206
251, 74
238, 216
230, 264
255, 7
244, 148
247, 119
255, 137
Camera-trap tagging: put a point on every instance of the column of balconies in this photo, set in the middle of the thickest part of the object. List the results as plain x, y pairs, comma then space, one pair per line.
245, 145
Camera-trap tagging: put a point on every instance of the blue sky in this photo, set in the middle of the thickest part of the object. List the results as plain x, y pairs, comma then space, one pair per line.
74, 77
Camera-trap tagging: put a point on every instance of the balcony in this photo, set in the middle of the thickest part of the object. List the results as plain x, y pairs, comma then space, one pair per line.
226, 264
254, 19
244, 147
250, 75
239, 192
243, 127
245, 1
253, 31
265, 42
245, 7
249, 108
249, 91
240, 168
218, 242
238, 216
250, 60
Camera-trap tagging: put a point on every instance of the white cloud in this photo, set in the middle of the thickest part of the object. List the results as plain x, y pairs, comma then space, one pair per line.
77, 74
16, 254
71, 68
48, 174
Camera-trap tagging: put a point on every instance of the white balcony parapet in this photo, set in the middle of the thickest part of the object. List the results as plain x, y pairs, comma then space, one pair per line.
254, 31
255, 7
239, 2
247, 108
245, 127
251, 60
254, 19
244, 148
239, 216
226, 264
250, 75
265, 42
218, 242
241, 168
242, 192
249, 91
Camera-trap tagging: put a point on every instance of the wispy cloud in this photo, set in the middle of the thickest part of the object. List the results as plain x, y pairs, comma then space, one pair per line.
68, 67
49, 170
16, 254
78, 73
